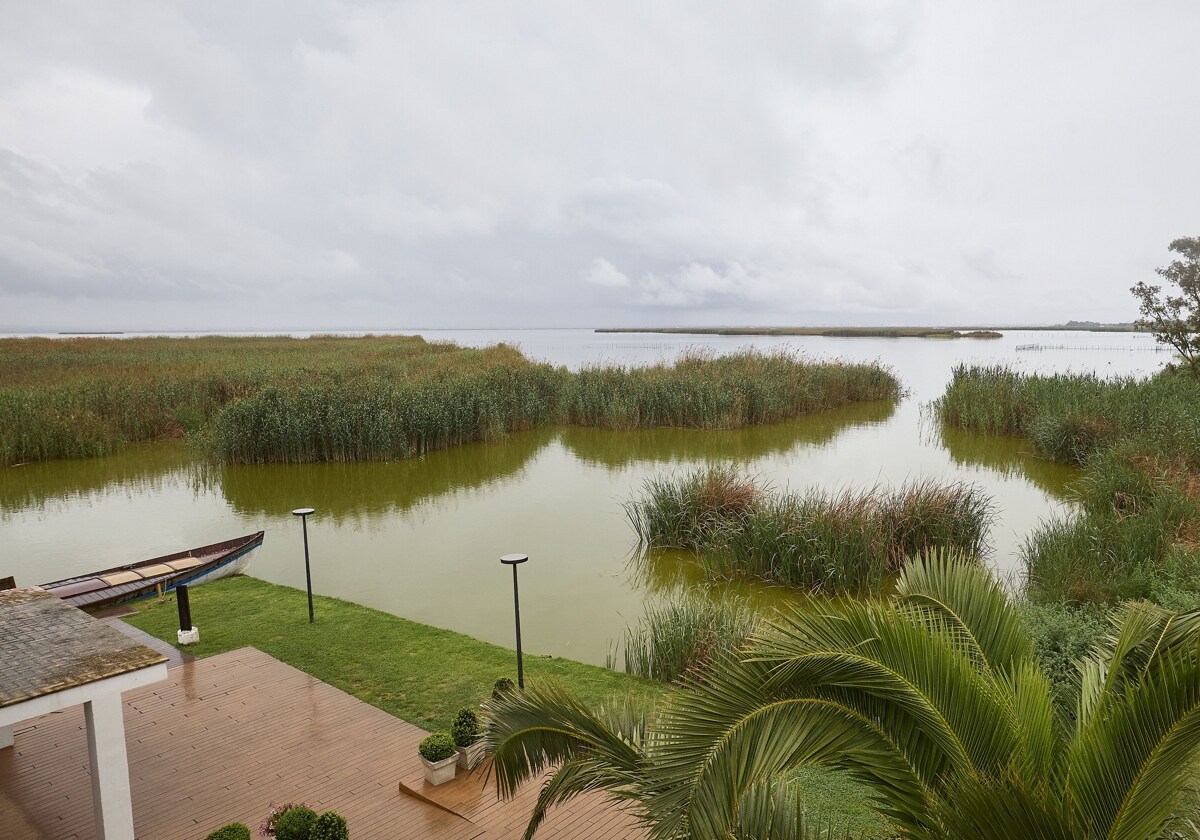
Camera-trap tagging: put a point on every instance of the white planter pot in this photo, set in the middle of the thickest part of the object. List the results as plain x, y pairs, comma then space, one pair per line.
439, 772
470, 755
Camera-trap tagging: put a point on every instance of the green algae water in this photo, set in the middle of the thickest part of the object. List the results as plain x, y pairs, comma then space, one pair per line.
422, 538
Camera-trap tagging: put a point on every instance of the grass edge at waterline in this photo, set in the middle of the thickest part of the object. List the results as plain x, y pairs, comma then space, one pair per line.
416, 672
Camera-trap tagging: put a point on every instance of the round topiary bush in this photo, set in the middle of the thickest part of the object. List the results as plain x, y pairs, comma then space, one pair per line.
437, 747
233, 831
295, 823
330, 826
465, 729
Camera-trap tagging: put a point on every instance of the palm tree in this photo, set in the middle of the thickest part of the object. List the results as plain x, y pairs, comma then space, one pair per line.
932, 698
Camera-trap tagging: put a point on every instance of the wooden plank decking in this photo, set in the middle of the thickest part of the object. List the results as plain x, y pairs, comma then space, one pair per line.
225, 737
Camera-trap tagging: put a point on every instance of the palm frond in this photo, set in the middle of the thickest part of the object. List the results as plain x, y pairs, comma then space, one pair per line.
528, 732
1128, 767
970, 599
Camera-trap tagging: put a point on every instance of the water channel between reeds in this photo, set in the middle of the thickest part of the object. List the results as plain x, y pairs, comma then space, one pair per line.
422, 538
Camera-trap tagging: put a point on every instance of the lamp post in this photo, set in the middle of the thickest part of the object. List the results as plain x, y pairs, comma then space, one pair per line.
515, 560
303, 513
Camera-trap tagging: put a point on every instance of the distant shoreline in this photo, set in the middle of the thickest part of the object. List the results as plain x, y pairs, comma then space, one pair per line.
873, 332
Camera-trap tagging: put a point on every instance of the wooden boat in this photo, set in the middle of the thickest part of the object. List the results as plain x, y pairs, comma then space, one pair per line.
158, 575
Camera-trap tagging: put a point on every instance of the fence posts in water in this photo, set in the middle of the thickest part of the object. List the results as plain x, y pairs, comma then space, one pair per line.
515, 560
303, 513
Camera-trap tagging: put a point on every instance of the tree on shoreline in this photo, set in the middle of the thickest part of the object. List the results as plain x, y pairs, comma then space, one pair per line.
933, 699
1175, 320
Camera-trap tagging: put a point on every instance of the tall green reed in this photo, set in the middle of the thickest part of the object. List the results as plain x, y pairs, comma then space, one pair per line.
1136, 530
817, 539
684, 633
254, 400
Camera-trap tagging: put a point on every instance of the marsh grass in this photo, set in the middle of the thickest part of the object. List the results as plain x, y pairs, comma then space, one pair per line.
701, 390
257, 400
818, 540
1069, 417
1136, 531
685, 632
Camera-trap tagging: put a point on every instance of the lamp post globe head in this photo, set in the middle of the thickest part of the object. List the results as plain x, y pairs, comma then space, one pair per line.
303, 511
513, 559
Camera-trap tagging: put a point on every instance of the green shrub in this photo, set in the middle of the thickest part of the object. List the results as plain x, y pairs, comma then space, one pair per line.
465, 728
502, 687
295, 823
329, 826
437, 747
233, 831
1064, 633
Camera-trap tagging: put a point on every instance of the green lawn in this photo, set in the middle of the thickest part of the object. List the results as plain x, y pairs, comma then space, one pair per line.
416, 672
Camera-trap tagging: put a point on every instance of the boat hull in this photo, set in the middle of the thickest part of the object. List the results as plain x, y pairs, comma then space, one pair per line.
109, 587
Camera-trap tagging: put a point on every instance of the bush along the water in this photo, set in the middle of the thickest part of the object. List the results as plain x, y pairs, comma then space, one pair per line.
329, 826
817, 539
233, 831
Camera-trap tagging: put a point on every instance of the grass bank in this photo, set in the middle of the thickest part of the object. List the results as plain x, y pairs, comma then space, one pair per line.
845, 541
258, 400
416, 672
1136, 530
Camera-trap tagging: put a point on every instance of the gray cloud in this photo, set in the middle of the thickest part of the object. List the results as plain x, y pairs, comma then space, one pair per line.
337, 164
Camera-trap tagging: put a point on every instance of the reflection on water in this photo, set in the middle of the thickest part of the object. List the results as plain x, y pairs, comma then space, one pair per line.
1008, 456
423, 538
141, 469
366, 490
618, 449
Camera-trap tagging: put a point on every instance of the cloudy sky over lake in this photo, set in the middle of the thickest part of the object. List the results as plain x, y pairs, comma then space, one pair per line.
322, 165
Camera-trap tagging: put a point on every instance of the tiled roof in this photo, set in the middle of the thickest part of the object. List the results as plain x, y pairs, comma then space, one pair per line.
46, 645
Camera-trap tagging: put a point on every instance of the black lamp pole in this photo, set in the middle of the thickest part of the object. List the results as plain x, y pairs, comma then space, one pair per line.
303, 513
515, 560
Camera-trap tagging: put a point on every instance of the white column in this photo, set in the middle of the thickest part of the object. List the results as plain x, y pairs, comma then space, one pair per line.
6, 737
111, 801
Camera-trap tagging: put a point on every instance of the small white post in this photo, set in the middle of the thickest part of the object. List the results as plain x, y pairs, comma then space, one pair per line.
111, 800
6, 737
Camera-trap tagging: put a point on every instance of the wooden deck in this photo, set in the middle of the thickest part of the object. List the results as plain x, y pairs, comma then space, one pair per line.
225, 737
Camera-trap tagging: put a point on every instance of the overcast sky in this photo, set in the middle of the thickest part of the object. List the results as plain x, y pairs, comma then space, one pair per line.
340, 165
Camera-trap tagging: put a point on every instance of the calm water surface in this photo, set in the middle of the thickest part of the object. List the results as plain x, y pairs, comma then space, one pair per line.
422, 538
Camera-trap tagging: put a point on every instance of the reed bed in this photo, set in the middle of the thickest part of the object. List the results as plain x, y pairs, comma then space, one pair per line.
1136, 530
683, 634
847, 541
258, 400
720, 392
1070, 416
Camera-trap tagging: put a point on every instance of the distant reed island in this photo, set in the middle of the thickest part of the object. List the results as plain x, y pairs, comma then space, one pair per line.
329, 398
873, 332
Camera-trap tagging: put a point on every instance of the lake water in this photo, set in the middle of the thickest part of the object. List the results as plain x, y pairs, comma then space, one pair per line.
423, 538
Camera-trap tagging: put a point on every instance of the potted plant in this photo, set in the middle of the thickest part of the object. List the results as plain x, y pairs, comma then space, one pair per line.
466, 735
439, 757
